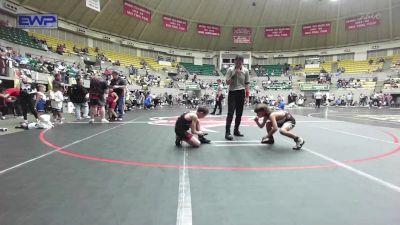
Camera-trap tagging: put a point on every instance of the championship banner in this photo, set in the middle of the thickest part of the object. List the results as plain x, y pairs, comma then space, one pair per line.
242, 35
364, 21
175, 23
93, 4
208, 30
317, 28
137, 11
277, 32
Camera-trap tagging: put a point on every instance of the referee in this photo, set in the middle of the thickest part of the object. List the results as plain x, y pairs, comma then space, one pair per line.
237, 78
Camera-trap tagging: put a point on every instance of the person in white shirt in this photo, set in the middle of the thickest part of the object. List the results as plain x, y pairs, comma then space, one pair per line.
57, 99
349, 99
318, 99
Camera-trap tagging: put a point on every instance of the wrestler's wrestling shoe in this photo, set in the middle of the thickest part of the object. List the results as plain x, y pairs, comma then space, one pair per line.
266, 140
299, 143
204, 140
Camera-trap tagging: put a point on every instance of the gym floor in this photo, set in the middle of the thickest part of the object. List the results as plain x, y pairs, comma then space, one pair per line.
130, 172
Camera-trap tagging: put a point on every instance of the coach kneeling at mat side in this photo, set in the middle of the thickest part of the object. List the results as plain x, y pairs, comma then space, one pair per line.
237, 78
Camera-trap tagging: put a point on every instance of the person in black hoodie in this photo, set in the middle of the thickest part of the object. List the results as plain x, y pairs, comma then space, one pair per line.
79, 95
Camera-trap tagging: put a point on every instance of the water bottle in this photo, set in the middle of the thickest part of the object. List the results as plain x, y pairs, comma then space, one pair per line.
3, 129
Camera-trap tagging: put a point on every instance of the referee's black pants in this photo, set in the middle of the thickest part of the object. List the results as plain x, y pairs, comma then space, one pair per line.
218, 103
27, 103
235, 103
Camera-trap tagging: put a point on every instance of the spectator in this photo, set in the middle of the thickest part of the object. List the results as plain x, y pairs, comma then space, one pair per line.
97, 90
57, 99
3, 62
60, 49
40, 103
78, 96
318, 99
370, 61
58, 83
281, 104
13, 100
75, 49
119, 86
218, 98
3, 103
349, 99
362, 99
148, 102
26, 98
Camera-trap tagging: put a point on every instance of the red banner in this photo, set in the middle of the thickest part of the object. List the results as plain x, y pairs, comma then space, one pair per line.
242, 35
316, 29
175, 23
363, 21
138, 12
207, 29
277, 32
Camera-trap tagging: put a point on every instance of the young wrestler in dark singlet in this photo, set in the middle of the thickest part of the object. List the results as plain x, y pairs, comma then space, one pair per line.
274, 120
191, 120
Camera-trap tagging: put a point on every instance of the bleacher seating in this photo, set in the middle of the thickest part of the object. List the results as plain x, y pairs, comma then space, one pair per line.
327, 66
18, 36
395, 58
205, 69
123, 58
313, 70
369, 85
154, 65
353, 67
269, 70
52, 42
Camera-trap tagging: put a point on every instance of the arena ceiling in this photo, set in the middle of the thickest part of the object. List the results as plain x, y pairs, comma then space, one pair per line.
256, 14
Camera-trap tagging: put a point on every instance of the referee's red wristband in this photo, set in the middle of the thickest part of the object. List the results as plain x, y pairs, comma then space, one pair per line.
247, 93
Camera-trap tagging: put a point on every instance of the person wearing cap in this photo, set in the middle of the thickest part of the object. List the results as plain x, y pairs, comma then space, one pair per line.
218, 98
237, 78
119, 86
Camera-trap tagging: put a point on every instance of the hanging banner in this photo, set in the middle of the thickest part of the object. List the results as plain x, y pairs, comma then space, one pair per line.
242, 35
93, 4
314, 87
364, 21
317, 29
175, 23
277, 32
137, 11
208, 30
